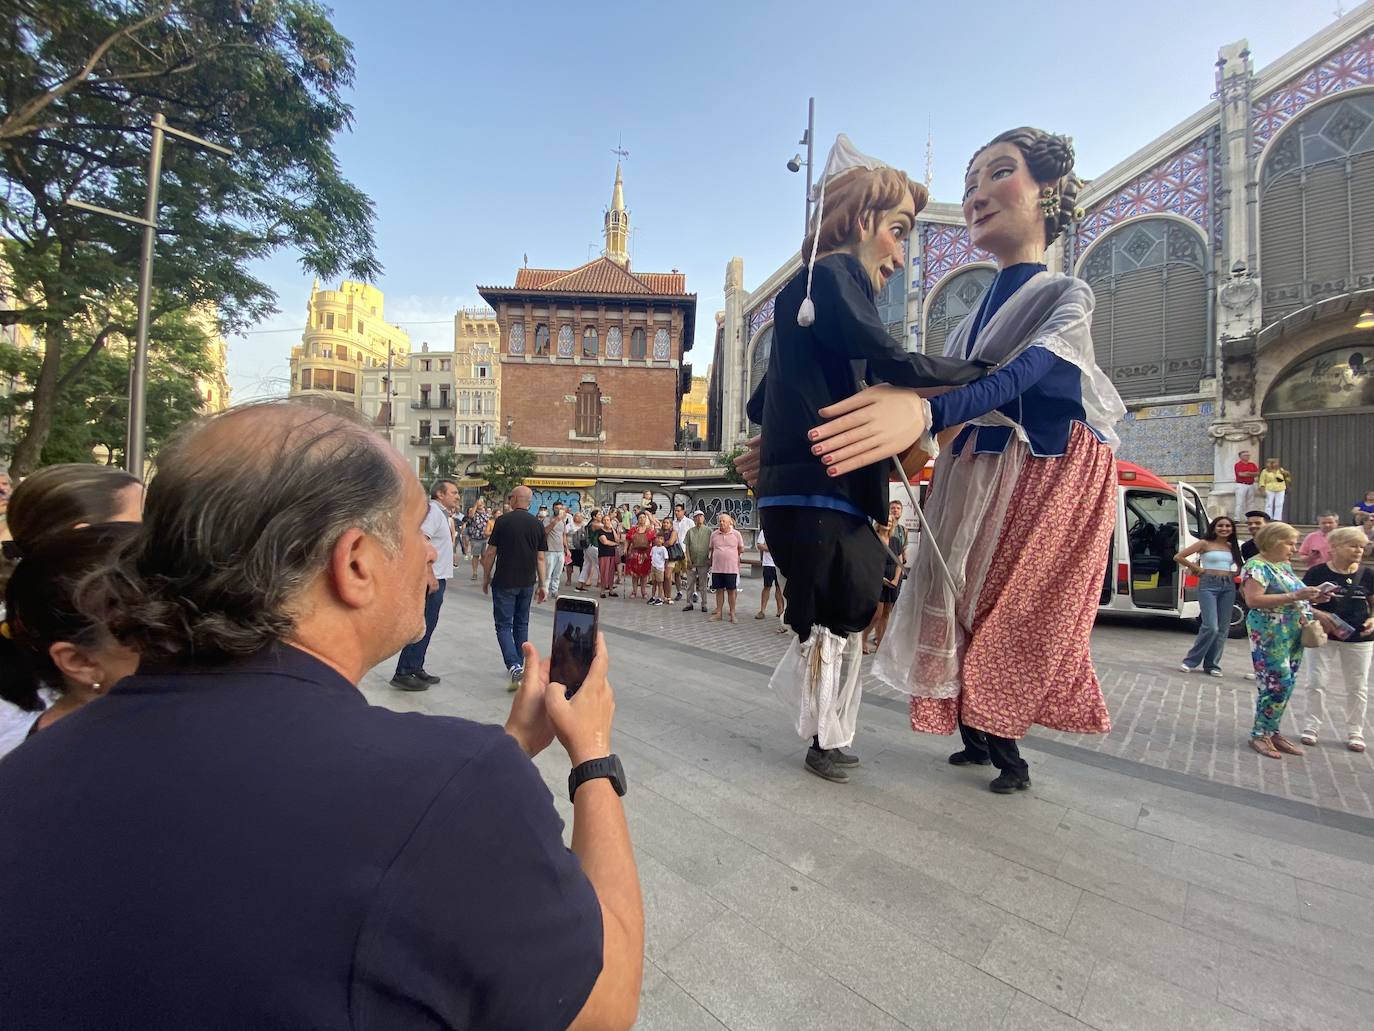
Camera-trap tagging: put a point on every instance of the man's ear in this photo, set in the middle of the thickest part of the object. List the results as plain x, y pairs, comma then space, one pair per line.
74, 663
353, 567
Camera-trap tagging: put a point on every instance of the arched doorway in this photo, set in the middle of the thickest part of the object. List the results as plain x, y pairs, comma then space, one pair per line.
1320, 412
757, 365
952, 301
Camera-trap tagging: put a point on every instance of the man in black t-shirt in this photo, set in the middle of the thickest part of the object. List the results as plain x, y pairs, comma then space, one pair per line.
1253, 521
516, 549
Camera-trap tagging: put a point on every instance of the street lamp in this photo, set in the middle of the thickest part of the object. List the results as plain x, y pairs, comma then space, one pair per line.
796, 163
138, 377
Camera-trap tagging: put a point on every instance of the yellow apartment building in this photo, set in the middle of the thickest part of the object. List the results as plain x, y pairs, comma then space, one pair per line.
476, 379
345, 333
692, 421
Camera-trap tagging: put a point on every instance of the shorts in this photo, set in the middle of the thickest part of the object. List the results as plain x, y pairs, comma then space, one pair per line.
770, 576
656, 576
475, 548
724, 581
833, 562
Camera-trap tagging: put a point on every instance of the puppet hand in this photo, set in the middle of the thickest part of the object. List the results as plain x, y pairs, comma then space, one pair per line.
873, 425
747, 464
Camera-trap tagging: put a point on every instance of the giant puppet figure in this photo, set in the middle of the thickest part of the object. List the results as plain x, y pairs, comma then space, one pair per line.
1023, 499
828, 341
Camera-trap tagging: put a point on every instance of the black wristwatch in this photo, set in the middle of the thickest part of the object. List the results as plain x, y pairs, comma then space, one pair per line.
608, 767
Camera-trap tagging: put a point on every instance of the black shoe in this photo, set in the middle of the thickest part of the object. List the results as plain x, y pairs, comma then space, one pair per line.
428, 678
822, 765
687, 607
965, 759
842, 758
1007, 782
408, 682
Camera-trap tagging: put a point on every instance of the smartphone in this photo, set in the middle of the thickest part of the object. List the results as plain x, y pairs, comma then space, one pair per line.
574, 642
1329, 587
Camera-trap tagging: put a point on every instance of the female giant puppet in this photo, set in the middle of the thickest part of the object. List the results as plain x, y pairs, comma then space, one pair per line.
828, 341
1023, 497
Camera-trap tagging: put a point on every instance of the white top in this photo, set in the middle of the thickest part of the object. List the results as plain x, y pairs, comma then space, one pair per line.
658, 555
682, 526
767, 555
16, 724
437, 528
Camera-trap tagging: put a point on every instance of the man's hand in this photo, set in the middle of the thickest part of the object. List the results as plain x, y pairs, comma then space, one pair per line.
529, 719
433, 584
486, 585
747, 464
583, 724
870, 426
539, 594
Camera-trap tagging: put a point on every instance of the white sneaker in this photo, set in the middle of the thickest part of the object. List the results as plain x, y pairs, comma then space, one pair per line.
1185, 668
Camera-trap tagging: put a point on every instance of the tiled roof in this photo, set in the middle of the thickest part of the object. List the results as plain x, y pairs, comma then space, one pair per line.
602, 276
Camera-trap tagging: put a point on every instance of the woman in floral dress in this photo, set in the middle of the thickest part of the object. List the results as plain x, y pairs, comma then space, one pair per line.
637, 562
1279, 606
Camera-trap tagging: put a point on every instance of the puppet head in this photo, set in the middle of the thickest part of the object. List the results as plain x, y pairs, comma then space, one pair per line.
864, 208
1020, 192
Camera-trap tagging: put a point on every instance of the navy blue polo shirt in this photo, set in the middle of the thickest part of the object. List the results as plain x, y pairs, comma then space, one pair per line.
254, 846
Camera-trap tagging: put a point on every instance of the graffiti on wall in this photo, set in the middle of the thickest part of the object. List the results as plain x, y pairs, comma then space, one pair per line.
736, 504
545, 497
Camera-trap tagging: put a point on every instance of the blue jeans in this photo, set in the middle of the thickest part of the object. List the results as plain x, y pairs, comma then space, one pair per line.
1216, 595
412, 657
510, 607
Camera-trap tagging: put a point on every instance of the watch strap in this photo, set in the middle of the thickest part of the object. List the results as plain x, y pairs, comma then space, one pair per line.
593, 769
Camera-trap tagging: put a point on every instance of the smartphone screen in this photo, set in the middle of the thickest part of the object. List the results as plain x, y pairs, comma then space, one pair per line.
574, 642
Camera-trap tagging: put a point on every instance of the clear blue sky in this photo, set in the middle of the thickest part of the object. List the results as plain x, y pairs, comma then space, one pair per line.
483, 131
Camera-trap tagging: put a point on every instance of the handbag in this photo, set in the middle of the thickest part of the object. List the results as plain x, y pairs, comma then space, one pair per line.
1313, 634
675, 553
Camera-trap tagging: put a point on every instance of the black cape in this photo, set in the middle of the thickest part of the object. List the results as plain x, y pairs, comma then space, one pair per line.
810, 367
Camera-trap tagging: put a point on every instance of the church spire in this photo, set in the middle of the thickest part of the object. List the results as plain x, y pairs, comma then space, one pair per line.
618, 224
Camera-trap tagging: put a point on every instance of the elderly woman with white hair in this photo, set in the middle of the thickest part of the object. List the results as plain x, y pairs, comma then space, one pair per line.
1343, 662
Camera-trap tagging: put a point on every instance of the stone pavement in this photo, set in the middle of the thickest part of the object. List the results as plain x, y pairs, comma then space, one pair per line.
1159, 877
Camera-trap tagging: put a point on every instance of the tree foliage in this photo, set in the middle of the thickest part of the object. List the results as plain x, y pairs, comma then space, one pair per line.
80, 81
443, 462
726, 460
506, 467
95, 412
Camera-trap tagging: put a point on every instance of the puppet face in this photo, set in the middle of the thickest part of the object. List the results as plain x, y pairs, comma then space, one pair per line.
1002, 204
879, 248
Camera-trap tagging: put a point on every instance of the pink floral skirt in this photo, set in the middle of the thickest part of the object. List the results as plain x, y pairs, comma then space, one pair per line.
1028, 658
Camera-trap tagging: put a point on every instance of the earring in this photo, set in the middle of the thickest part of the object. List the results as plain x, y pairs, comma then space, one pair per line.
95, 687
1049, 202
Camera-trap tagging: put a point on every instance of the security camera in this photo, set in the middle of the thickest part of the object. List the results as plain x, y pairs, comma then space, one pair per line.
795, 164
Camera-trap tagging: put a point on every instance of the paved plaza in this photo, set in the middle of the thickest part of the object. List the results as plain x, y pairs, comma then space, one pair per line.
1162, 876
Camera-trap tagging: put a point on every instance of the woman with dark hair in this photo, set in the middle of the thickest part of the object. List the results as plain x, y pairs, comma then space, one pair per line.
57, 498
1002, 642
638, 543
53, 658
1218, 562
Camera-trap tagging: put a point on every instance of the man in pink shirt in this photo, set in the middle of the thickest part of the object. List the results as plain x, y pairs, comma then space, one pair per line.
1314, 548
727, 548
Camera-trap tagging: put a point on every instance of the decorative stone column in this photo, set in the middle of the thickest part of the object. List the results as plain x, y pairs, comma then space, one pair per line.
734, 374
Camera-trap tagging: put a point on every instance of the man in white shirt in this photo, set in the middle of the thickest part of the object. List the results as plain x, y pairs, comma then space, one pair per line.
556, 529
439, 531
770, 579
682, 522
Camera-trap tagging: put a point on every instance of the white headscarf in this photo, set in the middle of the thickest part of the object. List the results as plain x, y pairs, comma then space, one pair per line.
843, 157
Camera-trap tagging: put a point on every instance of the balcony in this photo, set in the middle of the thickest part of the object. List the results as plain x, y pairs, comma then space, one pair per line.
432, 406
435, 438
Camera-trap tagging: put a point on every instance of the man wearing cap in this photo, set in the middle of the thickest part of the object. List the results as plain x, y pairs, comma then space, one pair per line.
696, 546
829, 341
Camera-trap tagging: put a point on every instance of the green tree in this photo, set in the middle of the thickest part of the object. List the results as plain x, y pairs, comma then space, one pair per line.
506, 467
443, 462
96, 411
80, 80
726, 460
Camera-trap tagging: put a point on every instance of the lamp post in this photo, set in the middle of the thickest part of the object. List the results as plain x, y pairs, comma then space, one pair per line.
136, 437
796, 164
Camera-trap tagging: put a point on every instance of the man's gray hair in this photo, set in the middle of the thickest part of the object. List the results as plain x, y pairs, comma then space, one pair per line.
241, 517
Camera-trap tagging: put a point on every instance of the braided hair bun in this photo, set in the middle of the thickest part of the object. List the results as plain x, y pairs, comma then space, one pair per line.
1049, 159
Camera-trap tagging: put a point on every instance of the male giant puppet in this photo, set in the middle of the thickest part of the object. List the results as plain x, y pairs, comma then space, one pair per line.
828, 342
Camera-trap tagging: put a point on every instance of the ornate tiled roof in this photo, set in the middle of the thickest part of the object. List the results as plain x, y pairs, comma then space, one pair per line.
601, 276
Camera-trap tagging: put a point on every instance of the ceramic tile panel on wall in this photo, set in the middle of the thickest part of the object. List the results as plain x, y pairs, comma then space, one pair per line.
1178, 185
1348, 68
1169, 440
759, 315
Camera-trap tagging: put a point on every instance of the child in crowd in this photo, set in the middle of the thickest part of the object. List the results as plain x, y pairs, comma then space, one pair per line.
658, 558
